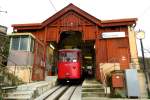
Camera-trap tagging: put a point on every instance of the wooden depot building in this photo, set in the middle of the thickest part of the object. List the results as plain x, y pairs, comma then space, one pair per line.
104, 43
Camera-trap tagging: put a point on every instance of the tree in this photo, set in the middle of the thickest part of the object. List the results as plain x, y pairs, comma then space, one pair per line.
4, 48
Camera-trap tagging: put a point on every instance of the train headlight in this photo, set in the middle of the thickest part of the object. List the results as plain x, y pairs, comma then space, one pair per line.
74, 60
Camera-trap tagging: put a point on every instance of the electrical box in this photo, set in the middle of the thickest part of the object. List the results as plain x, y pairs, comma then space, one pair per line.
117, 81
132, 83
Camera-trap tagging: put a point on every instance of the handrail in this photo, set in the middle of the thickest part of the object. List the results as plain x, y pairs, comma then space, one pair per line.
5, 69
10, 61
109, 61
103, 79
7, 58
103, 75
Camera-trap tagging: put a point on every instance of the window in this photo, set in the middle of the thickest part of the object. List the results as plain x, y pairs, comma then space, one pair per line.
24, 42
68, 56
15, 43
32, 45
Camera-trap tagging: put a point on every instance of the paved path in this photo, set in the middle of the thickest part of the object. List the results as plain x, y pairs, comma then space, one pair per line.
105, 98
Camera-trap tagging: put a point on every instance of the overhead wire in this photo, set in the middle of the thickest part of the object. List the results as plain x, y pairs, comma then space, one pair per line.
53, 5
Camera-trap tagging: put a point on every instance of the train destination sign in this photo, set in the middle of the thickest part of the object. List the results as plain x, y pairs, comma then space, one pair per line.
113, 34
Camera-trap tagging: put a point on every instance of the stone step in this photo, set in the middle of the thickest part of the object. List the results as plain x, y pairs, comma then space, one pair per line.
98, 98
29, 91
92, 86
18, 98
8, 88
28, 86
2, 85
92, 89
17, 93
93, 94
32, 86
91, 81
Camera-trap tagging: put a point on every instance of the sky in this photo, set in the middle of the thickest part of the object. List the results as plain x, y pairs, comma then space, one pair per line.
36, 11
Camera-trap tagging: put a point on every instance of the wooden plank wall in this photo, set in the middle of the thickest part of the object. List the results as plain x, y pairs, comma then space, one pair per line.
112, 50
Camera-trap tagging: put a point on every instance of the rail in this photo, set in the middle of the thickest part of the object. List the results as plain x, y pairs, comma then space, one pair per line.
65, 92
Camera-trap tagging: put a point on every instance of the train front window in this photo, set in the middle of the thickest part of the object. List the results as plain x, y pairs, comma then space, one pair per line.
68, 57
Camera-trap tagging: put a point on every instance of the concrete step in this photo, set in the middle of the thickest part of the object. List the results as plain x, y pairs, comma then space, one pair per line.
92, 89
19, 95
92, 86
93, 94
92, 81
16, 93
30, 90
6, 89
18, 98
29, 86
100, 98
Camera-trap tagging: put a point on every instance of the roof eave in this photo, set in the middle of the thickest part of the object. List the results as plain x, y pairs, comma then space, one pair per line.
118, 22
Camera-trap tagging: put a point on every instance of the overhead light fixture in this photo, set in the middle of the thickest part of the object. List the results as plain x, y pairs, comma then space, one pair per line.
94, 46
52, 46
88, 57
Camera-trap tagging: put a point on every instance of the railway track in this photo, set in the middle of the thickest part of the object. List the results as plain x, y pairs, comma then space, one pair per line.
62, 93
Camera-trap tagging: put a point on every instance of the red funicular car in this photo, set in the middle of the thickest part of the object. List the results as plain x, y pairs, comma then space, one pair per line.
69, 65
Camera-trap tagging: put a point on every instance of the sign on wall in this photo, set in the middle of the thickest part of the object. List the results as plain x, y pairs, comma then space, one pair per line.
113, 34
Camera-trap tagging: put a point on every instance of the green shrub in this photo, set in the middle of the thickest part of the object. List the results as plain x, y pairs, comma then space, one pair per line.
117, 95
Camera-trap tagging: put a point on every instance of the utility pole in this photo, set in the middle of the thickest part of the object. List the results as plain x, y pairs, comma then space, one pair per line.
141, 35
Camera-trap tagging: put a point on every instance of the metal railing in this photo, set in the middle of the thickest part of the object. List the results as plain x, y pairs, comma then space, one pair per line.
134, 63
9, 74
103, 77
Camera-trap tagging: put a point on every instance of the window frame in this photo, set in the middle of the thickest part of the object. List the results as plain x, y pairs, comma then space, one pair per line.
12, 42
28, 43
21, 41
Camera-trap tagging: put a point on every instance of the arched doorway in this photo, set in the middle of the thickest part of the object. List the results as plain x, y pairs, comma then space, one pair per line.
74, 40
70, 40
